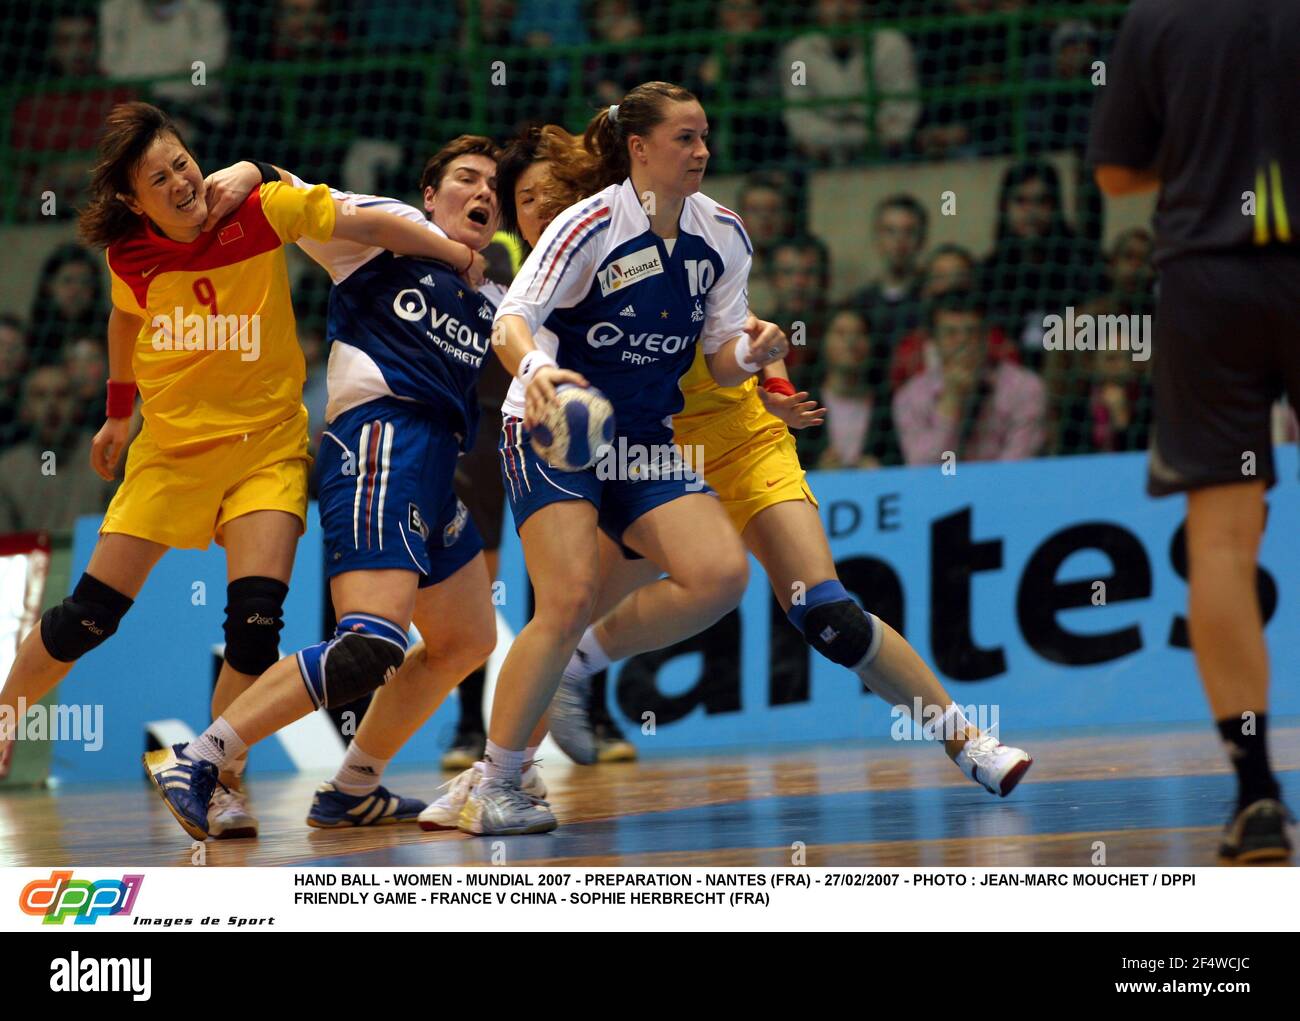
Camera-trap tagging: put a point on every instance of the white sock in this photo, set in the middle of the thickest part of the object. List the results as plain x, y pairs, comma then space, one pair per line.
360, 773
589, 658
502, 763
530, 753
218, 744
946, 727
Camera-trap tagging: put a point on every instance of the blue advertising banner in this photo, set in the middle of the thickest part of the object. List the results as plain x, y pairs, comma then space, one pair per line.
1047, 594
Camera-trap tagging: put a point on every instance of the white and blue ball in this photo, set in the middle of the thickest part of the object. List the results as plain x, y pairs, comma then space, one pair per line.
578, 423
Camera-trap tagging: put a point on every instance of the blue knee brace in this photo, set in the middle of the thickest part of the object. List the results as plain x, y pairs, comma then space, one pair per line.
363, 654
837, 627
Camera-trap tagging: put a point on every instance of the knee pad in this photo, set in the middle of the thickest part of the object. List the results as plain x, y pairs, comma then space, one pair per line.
254, 617
363, 654
836, 626
84, 620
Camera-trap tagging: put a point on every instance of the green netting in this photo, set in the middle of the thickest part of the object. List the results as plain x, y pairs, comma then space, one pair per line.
819, 112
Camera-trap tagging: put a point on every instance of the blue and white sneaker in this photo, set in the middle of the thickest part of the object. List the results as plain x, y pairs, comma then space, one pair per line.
185, 785
332, 809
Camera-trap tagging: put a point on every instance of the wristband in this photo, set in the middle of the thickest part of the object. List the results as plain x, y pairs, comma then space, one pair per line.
743, 353
777, 385
121, 399
269, 174
532, 362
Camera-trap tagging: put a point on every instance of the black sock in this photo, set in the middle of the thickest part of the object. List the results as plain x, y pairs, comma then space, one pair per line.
471, 703
1248, 753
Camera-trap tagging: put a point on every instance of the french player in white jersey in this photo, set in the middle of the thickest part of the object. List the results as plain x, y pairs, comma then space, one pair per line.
409, 338
628, 282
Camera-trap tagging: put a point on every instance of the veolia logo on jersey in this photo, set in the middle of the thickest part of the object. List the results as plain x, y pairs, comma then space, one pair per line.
652, 344
627, 270
410, 305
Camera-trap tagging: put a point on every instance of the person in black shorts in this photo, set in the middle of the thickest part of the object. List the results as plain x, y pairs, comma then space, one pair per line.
1201, 102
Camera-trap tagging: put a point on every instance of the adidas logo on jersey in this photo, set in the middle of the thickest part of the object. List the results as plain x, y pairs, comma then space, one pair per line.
427, 280
629, 311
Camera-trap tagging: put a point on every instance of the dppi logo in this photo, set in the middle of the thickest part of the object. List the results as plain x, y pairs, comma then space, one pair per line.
61, 897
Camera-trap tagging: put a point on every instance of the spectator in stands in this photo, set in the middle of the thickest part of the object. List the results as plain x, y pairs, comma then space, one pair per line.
744, 69
858, 432
165, 38
46, 482
86, 363
69, 303
13, 366
967, 56
1059, 114
54, 131
1101, 400
1038, 264
892, 302
800, 279
834, 66
609, 76
969, 406
542, 24
766, 206
949, 268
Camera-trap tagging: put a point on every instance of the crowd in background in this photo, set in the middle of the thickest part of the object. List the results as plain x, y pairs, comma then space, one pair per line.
943, 352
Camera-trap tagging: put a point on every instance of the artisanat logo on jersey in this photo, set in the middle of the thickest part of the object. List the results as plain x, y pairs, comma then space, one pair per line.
628, 269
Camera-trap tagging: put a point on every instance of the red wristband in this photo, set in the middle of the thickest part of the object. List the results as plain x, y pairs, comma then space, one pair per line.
121, 399
777, 385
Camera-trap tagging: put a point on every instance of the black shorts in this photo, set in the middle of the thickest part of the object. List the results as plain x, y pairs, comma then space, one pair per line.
478, 480
1226, 346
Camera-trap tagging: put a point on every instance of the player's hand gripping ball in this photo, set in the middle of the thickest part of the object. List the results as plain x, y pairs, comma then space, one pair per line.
577, 424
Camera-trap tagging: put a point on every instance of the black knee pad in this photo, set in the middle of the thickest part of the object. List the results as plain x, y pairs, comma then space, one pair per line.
354, 665
841, 631
83, 620
254, 617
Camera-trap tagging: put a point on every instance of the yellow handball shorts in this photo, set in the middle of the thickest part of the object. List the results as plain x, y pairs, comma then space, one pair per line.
183, 498
748, 458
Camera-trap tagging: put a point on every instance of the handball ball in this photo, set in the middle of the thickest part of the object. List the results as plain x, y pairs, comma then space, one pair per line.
577, 424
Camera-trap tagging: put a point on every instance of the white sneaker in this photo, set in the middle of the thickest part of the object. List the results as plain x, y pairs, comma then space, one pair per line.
229, 817
444, 811
994, 766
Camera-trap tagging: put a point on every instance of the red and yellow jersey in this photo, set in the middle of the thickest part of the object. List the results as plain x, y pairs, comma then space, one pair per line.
704, 398
218, 354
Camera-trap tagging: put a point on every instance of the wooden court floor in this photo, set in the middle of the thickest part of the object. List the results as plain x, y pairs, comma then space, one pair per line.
1152, 799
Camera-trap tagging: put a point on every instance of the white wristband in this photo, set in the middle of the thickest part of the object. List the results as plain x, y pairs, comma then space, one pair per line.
533, 361
743, 353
